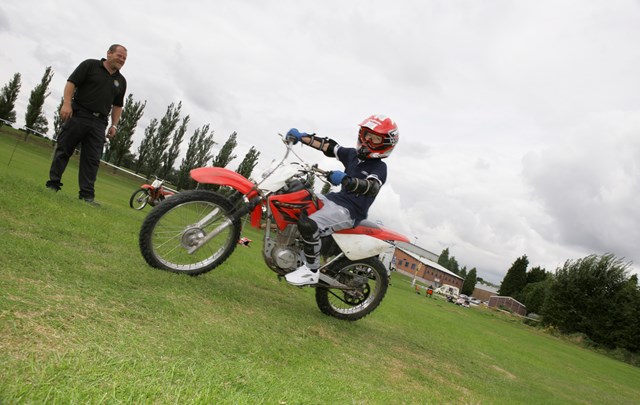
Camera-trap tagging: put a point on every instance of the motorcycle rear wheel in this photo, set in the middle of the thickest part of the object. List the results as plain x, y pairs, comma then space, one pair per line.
173, 227
139, 199
370, 280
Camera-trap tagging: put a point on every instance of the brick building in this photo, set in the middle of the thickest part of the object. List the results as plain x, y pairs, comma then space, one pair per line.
508, 304
425, 271
484, 292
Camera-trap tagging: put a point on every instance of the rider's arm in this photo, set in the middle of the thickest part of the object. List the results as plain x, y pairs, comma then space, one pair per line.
326, 145
368, 187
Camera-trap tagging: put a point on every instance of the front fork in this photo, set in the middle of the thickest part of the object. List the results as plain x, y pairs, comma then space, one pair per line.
234, 216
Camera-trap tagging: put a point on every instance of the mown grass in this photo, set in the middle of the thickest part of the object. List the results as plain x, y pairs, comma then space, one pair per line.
83, 319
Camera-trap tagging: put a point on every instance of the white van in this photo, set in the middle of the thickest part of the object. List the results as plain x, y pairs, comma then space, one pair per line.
446, 289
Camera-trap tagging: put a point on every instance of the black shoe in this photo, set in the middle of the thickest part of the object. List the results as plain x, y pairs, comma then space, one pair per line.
90, 201
54, 189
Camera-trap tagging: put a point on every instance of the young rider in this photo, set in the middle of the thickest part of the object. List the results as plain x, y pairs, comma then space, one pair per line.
364, 173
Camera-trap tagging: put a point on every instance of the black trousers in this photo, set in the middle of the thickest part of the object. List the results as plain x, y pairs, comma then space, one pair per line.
85, 130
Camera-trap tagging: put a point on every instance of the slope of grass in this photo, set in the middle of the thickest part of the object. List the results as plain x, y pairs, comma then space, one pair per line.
84, 319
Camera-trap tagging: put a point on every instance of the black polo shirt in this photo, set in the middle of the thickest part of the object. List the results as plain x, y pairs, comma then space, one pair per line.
97, 89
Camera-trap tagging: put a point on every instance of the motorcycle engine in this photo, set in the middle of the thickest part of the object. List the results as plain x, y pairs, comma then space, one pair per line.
282, 253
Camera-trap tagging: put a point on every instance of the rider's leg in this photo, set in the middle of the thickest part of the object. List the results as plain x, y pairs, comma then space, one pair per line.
311, 239
331, 218
310, 235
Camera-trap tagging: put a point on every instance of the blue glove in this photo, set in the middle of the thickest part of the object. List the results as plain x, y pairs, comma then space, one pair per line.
294, 136
335, 177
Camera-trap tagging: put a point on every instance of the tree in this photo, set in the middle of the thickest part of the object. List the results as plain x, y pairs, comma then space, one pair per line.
121, 144
159, 142
628, 301
145, 146
34, 117
198, 155
57, 120
326, 189
533, 295
248, 163
515, 279
595, 296
448, 262
224, 156
171, 155
8, 97
536, 275
443, 259
469, 282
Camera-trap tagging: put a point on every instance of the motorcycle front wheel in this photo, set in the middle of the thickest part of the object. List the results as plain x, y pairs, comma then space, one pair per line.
180, 223
139, 199
369, 280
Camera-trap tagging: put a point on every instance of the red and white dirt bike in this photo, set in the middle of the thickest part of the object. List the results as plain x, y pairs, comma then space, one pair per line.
150, 194
195, 231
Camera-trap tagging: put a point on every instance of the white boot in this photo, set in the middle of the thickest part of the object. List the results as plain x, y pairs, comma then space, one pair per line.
303, 275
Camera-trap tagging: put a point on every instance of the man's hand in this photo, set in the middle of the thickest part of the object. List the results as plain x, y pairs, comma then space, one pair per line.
66, 112
336, 177
111, 132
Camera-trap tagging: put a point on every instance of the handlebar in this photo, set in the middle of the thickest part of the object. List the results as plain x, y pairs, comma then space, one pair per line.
313, 168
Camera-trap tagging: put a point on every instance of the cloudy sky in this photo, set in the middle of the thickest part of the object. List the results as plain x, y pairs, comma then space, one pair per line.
519, 120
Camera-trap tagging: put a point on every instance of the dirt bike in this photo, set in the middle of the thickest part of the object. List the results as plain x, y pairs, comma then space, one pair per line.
150, 194
197, 230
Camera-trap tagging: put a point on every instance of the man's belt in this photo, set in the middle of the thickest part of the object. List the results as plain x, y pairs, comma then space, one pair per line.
95, 114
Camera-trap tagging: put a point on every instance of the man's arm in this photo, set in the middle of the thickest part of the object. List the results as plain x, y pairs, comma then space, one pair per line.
116, 112
66, 111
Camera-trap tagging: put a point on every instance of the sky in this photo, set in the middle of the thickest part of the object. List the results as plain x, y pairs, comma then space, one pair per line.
519, 120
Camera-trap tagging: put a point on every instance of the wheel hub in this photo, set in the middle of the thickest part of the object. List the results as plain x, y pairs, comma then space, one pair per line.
191, 237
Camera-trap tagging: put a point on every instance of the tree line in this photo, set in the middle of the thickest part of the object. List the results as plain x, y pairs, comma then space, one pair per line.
161, 144
595, 296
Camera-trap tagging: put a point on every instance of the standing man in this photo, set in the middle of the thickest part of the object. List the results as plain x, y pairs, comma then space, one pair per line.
94, 91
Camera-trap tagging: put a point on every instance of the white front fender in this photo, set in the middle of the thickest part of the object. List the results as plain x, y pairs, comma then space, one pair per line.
357, 247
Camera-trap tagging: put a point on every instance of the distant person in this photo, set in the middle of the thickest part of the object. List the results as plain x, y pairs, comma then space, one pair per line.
94, 91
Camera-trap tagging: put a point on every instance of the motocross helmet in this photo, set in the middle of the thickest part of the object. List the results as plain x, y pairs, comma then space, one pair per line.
377, 137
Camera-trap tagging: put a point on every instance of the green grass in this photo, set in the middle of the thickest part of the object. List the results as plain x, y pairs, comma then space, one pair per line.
83, 319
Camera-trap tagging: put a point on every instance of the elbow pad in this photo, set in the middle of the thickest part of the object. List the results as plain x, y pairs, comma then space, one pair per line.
331, 150
365, 187
329, 143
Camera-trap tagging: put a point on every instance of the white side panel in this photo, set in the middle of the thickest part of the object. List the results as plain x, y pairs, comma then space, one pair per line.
357, 247
277, 177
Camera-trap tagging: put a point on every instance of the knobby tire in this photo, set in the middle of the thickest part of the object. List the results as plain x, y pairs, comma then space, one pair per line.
166, 230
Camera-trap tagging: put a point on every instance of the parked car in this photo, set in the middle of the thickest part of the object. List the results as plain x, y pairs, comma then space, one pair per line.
463, 300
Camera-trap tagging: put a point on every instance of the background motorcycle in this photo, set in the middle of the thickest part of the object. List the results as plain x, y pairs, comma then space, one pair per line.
197, 230
149, 194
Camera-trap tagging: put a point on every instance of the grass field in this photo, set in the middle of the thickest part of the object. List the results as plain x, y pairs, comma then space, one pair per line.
83, 319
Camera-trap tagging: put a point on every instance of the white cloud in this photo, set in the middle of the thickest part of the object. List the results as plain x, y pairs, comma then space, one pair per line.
517, 119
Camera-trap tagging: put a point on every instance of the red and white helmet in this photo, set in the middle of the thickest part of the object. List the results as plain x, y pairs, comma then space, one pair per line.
377, 137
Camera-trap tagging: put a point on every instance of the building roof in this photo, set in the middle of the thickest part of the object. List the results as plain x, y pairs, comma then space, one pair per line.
431, 263
410, 247
487, 288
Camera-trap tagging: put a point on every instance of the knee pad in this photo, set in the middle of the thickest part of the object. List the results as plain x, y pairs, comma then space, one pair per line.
307, 227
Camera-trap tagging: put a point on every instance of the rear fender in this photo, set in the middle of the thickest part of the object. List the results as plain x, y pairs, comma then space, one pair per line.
359, 246
375, 231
